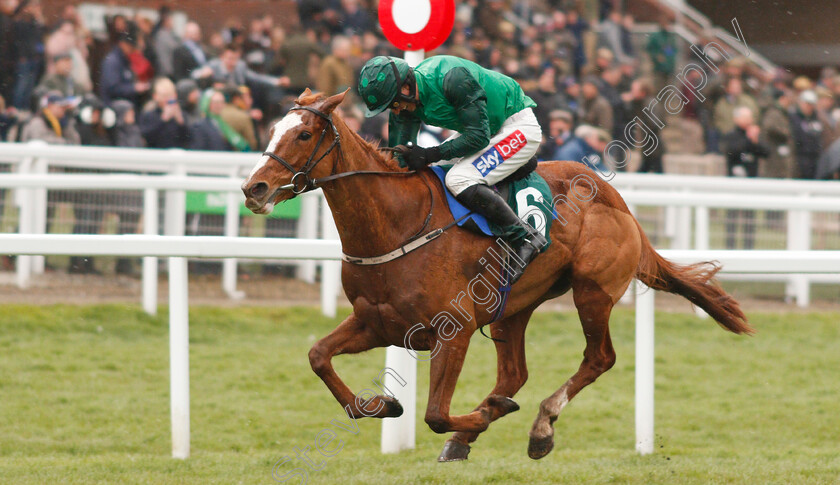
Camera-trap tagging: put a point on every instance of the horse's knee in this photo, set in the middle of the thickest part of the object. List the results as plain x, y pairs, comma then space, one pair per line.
437, 422
601, 363
318, 358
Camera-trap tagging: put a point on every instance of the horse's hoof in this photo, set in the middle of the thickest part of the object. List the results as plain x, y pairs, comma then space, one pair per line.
539, 447
504, 403
454, 451
393, 408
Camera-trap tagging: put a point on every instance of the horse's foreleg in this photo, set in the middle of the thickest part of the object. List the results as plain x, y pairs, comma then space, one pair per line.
512, 372
594, 307
443, 375
350, 337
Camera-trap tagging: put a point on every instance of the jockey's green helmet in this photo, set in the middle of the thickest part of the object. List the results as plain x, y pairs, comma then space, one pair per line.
380, 82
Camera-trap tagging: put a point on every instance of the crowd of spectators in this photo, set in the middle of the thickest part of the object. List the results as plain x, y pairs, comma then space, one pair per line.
146, 83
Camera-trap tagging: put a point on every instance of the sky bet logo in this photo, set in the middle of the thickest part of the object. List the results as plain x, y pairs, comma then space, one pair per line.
500, 152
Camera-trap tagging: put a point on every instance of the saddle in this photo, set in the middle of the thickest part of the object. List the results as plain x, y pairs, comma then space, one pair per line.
524, 178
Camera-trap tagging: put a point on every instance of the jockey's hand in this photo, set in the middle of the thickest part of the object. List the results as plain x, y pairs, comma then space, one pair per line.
417, 157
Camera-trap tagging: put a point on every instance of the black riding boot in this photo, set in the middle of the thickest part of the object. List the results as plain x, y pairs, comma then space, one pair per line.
526, 241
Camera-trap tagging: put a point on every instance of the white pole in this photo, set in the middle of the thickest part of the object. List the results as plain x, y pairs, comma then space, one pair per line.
150, 263
39, 198
792, 227
175, 217
683, 237
308, 229
799, 239
399, 433
803, 291
26, 216
330, 270
644, 368
179, 359
231, 230
179, 378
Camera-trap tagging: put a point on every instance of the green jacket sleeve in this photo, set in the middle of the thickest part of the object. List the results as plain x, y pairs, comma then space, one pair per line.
468, 98
402, 128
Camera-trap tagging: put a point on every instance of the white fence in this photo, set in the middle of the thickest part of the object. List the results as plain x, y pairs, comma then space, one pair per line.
32, 201
36, 158
688, 199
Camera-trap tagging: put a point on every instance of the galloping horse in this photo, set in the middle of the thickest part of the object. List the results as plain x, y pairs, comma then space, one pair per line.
379, 207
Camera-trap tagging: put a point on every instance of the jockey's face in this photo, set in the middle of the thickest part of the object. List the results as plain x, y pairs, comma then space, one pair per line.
403, 105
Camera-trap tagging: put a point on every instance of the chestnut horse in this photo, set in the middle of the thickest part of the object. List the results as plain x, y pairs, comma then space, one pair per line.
596, 254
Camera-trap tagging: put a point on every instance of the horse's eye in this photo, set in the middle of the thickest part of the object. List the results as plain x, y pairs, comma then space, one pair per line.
305, 136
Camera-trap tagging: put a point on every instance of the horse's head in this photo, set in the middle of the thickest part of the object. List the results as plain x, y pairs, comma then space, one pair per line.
297, 153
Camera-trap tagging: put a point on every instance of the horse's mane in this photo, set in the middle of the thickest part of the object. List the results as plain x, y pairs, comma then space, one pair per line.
373, 148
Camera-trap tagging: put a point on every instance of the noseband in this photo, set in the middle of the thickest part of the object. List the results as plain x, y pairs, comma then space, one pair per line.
308, 182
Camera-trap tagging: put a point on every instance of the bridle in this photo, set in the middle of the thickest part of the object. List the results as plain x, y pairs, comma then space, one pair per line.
308, 182
301, 180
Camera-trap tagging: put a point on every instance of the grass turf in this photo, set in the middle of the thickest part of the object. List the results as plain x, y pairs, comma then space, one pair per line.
84, 398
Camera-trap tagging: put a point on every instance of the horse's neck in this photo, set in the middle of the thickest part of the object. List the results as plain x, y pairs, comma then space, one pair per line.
374, 214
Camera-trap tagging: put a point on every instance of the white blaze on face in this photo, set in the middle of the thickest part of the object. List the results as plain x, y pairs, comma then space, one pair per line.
290, 121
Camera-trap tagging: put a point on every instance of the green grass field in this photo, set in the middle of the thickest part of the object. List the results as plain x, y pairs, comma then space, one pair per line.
84, 398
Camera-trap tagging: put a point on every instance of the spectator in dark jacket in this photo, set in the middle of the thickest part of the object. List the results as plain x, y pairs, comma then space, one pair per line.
126, 131
356, 19
547, 97
95, 122
117, 80
164, 126
29, 53
586, 147
189, 97
190, 55
807, 134
641, 98
559, 132
743, 149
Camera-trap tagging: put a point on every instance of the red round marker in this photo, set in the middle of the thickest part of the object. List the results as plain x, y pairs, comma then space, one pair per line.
413, 25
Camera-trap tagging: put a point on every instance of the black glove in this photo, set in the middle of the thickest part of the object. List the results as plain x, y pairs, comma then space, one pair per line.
418, 157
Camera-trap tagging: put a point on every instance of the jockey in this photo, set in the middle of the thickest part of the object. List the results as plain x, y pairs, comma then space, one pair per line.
496, 132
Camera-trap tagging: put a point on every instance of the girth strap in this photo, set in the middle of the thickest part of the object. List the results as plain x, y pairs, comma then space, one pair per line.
402, 250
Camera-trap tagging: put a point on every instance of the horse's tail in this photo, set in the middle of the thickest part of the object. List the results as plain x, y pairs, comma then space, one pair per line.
694, 282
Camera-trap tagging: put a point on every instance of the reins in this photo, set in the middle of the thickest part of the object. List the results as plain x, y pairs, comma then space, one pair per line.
310, 183
414, 242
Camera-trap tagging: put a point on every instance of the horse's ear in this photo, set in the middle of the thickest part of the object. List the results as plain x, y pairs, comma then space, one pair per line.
333, 101
303, 95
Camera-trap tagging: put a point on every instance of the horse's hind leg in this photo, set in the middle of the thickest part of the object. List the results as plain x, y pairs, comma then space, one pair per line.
594, 306
512, 372
350, 337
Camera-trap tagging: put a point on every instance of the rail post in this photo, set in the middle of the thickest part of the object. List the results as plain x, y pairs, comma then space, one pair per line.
179, 357
644, 368
229, 265
26, 218
330, 270
150, 263
308, 229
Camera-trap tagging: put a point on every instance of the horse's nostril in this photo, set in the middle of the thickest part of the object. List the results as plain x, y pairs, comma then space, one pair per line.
259, 190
